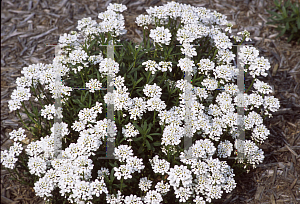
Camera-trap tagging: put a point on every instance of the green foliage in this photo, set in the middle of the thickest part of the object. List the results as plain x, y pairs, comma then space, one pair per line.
286, 16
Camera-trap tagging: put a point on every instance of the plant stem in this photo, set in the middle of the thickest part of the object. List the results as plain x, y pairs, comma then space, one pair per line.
250, 86
121, 183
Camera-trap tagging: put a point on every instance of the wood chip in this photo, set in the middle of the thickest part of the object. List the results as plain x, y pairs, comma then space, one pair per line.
293, 184
274, 71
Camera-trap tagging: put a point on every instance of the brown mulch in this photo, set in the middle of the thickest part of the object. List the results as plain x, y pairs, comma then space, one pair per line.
26, 26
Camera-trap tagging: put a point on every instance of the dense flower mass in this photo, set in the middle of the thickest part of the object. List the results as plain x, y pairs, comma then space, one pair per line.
170, 138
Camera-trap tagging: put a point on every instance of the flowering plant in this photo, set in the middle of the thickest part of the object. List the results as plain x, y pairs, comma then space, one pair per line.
152, 163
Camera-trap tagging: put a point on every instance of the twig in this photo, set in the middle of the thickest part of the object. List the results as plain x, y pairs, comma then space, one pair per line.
43, 34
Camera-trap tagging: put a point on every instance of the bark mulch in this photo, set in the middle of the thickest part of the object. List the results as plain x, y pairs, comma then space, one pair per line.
27, 26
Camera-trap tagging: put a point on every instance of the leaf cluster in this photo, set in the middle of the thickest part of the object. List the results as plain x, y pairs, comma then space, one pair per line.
286, 16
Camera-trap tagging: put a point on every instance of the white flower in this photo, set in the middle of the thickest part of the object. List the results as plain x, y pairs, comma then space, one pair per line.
180, 173
37, 166
186, 65
262, 87
49, 111
122, 152
144, 20
188, 50
159, 165
152, 90
21, 94
224, 149
210, 83
183, 193
153, 197
259, 66
260, 133
162, 188
161, 35
129, 131
151, 66
108, 66
145, 184
116, 7
93, 85
17, 135
123, 171
98, 187
247, 55
112, 199
8, 159
164, 66
156, 104
271, 103
222, 41
133, 199
245, 35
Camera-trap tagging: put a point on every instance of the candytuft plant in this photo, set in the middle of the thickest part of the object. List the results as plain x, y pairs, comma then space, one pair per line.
156, 110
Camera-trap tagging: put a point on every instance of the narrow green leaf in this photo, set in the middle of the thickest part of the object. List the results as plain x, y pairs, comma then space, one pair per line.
148, 145
287, 25
284, 12
155, 134
298, 22
150, 137
290, 38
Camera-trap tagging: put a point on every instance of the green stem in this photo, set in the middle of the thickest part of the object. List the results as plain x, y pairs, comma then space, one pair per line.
148, 76
121, 183
28, 114
250, 86
23, 121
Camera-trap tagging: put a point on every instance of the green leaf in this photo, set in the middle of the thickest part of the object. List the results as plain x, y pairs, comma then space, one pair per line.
282, 32
298, 22
276, 3
138, 128
150, 137
155, 134
274, 13
287, 25
148, 145
157, 143
284, 12
290, 38
112, 174
137, 139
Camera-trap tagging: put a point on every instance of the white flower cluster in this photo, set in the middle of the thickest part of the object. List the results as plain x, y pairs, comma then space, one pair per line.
68, 39
133, 164
224, 149
49, 112
8, 157
186, 65
145, 184
262, 87
188, 50
161, 35
129, 131
152, 91
159, 165
144, 21
17, 135
253, 154
93, 85
95, 59
109, 66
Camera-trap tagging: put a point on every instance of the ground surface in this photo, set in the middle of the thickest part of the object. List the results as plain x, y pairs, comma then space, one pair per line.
26, 26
